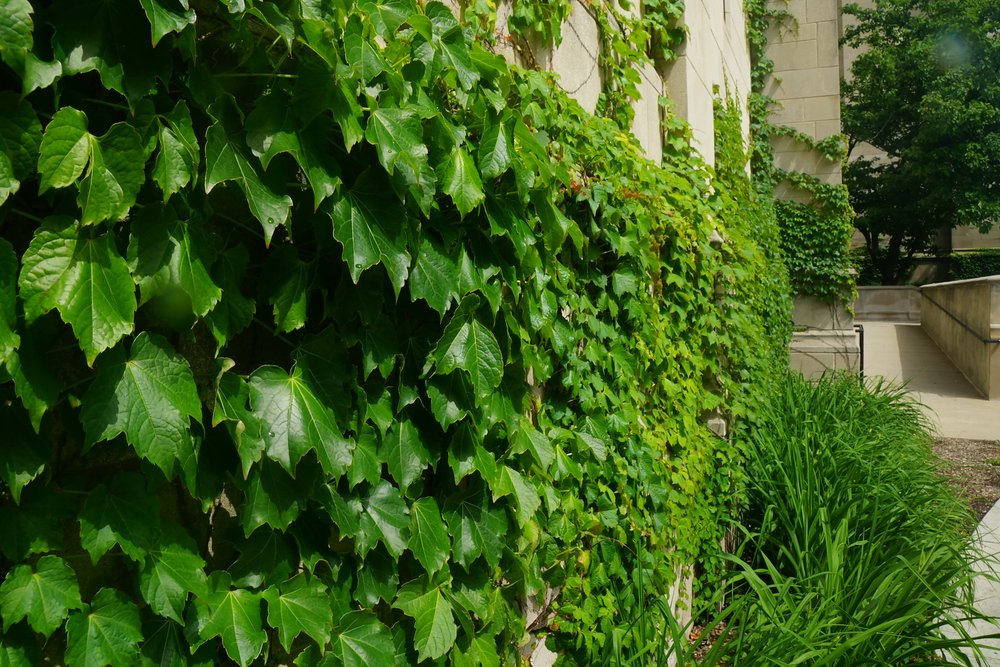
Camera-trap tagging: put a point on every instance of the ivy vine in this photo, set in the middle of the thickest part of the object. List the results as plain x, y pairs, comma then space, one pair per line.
328, 337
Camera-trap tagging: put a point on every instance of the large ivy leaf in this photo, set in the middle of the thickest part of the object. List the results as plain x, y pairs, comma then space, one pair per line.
476, 529
124, 514
272, 129
44, 594
235, 311
107, 632
383, 518
81, 274
286, 286
361, 641
19, 649
272, 498
65, 149
460, 180
469, 345
165, 646
369, 224
167, 256
366, 464
225, 160
173, 570
496, 150
16, 27
296, 421
9, 339
428, 536
233, 615
166, 16
8, 182
398, 136
524, 491
21, 458
377, 579
20, 131
435, 629
150, 396
452, 48
404, 452
435, 276
177, 162
109, 39
302, 604
116, 172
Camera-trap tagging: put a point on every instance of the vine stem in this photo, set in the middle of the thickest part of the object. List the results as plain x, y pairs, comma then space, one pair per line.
25, 214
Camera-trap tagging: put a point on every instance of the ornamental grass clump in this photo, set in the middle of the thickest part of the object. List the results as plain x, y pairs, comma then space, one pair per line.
855, 552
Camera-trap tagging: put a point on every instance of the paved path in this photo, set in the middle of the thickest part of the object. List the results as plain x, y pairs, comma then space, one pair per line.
904, 353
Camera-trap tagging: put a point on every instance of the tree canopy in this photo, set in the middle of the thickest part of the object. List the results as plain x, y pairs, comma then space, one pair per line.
926, 93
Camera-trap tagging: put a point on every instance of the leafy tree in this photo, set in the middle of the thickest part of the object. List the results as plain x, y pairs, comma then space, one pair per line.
927, 94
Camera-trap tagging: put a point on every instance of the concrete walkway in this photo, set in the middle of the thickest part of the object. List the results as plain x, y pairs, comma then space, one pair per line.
904, 353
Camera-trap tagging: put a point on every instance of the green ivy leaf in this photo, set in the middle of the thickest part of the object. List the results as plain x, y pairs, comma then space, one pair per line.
116, 172
107, 632
469, 345
166, 17
366, 464
528, 438
167, 255
495, 150
272, 498
124, 514
476, 529
434, 276
65, 149
296, 421
435, 629
405, 453
20, 131
452, 398
399, 137
8, 183
273, 129
20, 458
377, 579
388, 15
33, 371
150, 396
460, 180
82, 275
234, 311
360, 641
370, 227
231, 405
301, 605
452, 48
173, 570
19, 648
44, 594
383, 518
428, 537
9, 339
524, 492
232, 615
16, 27
165, 646
176, 164
265, 559
225, 160
286, 285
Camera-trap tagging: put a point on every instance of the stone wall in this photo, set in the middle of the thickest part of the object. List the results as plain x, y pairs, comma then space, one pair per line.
963, 319
824, 338
805, 85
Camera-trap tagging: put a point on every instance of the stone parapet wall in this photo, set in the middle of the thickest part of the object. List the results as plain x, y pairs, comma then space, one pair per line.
887, 304
823, 339
963, 319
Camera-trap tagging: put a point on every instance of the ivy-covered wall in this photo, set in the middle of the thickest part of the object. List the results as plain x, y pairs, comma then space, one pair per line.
330, 337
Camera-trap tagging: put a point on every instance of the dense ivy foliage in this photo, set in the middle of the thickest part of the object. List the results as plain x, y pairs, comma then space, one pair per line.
815, 217
328, 337
975, 264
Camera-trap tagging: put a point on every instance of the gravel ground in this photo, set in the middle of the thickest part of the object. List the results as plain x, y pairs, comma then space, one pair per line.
974, 469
